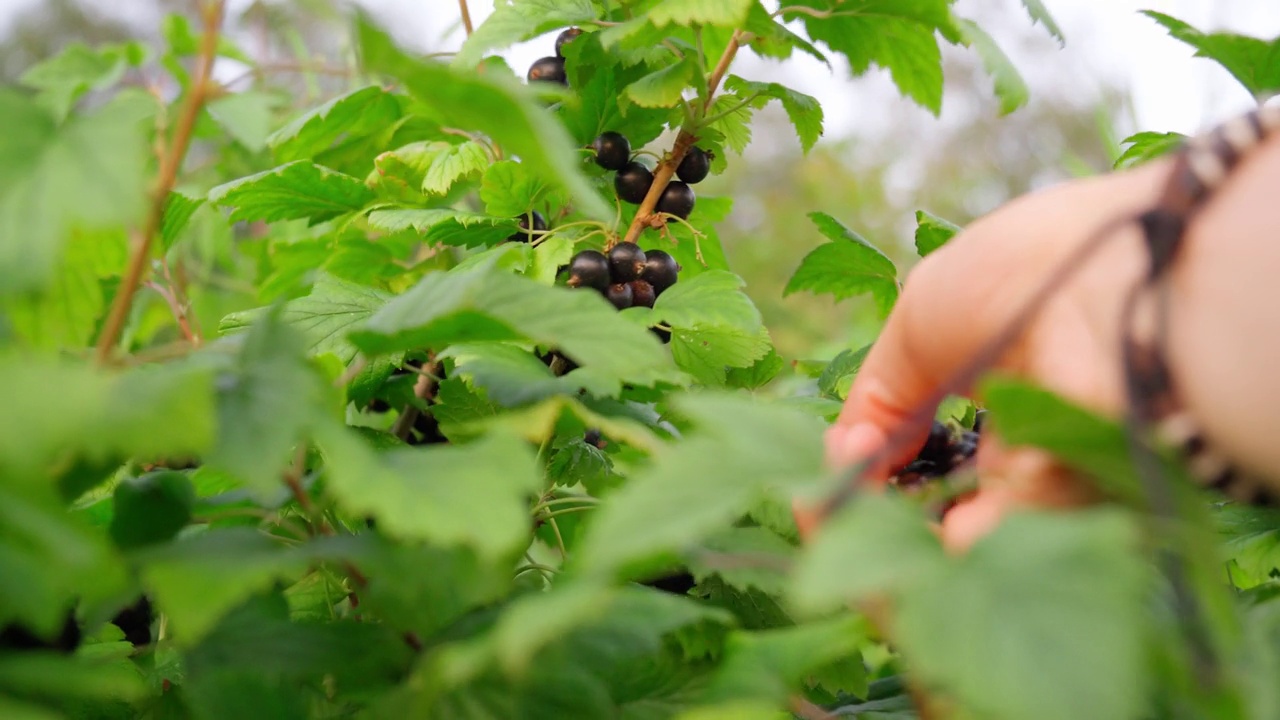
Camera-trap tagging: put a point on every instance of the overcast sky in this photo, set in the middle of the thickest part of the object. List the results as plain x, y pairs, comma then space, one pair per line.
1106, 39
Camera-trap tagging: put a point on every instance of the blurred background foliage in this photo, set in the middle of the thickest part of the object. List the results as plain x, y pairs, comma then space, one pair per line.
872, 178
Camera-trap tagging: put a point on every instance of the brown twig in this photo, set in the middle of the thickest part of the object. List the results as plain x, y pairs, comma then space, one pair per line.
424, 389
808, 710
170, 164
466, 16
645, 216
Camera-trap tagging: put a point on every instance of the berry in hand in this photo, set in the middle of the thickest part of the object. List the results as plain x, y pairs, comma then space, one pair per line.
620, 295
539, 224
548, 69
613, 151
937, 447
632, 182
695, 165
660, 270
589, 268
642, 294
677, 199
626, 261
965, 447
565, 37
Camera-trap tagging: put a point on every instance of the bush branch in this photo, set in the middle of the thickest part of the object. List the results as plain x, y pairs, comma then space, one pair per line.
666, 170
170, 164
424, 389
466, 17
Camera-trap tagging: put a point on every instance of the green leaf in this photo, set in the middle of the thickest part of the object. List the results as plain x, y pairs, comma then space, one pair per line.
66, 312
708, 352
88, 174
738, 448
1146, 146
446, 226
663, 88
513, 23
485, 304
360, 113
839, 373
759, 374
200, 578
1253, 62
804, 111
1010, 88
723, 13
78, 69
266, 401
771, 664
845, 562
178, 210
507, 113
246, 116
1252, 541
1068, 593
290, 192
932, 232
510, 189
847, 266
474, 495
1040, 14
710, 299
151, 509
744, 557
324, 317
458, 162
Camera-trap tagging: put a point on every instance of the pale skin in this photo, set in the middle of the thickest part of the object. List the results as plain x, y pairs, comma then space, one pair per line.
1224, 333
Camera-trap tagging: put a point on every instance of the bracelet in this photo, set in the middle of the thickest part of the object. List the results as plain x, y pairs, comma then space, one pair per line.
1202, 166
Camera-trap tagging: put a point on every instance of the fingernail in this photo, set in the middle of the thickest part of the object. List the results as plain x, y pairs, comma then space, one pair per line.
850, 446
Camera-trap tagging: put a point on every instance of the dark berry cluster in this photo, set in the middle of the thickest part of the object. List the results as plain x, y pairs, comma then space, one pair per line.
942, 453
627, 276
633, 179
551, 69
530, 223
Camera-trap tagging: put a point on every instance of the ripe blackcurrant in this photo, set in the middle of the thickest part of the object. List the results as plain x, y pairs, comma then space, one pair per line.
620, 295
565, 37
979, 419
632, 182
695, 165
937, 445
964, 448
589, 268
613, 151
593, 437
677, 199
660, 270
626, 261
642, 294
135, 621
523, 235
548, 69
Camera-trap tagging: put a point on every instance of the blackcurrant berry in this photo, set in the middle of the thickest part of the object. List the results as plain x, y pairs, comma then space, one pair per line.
593, 437
938, 445
589, 268
964, 448
642, 294
135, 621
923, 468
979, 419
632, 182
613, 151
523, 235
626, 261
565, 37
695, 165
660, 270
620, 295
548, 69
677, 199
663, 335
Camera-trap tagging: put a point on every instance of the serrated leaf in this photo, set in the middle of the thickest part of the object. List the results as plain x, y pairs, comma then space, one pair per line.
759, 374
510, 376
246, 116
199, 579
774, 39
461, 228
1255, 63
485, 304
724, 13
708, 352
1036, 578
839, 373
579, 463
507, 113
1146, 146
847, 266
178, 210
513, 23
458, 162
1252, 541
78, 69
1010, 88
738, 448
734, 125
1040, 14
367, 111
744, 557
474, 495
290, 192
510, 189
663, 88
804, 111
769, 664
710, 299
932, 232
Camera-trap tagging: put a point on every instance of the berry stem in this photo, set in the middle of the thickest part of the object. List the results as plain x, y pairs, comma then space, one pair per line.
166, 177
466, 17
424, 389
685, 140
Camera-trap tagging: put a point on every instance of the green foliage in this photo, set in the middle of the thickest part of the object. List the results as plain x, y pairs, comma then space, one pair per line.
366, 451
1250, 60
1145, 146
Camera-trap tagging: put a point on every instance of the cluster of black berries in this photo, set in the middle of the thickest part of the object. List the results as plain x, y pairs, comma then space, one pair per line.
627, 276
551, 69
633, 179
942, 453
